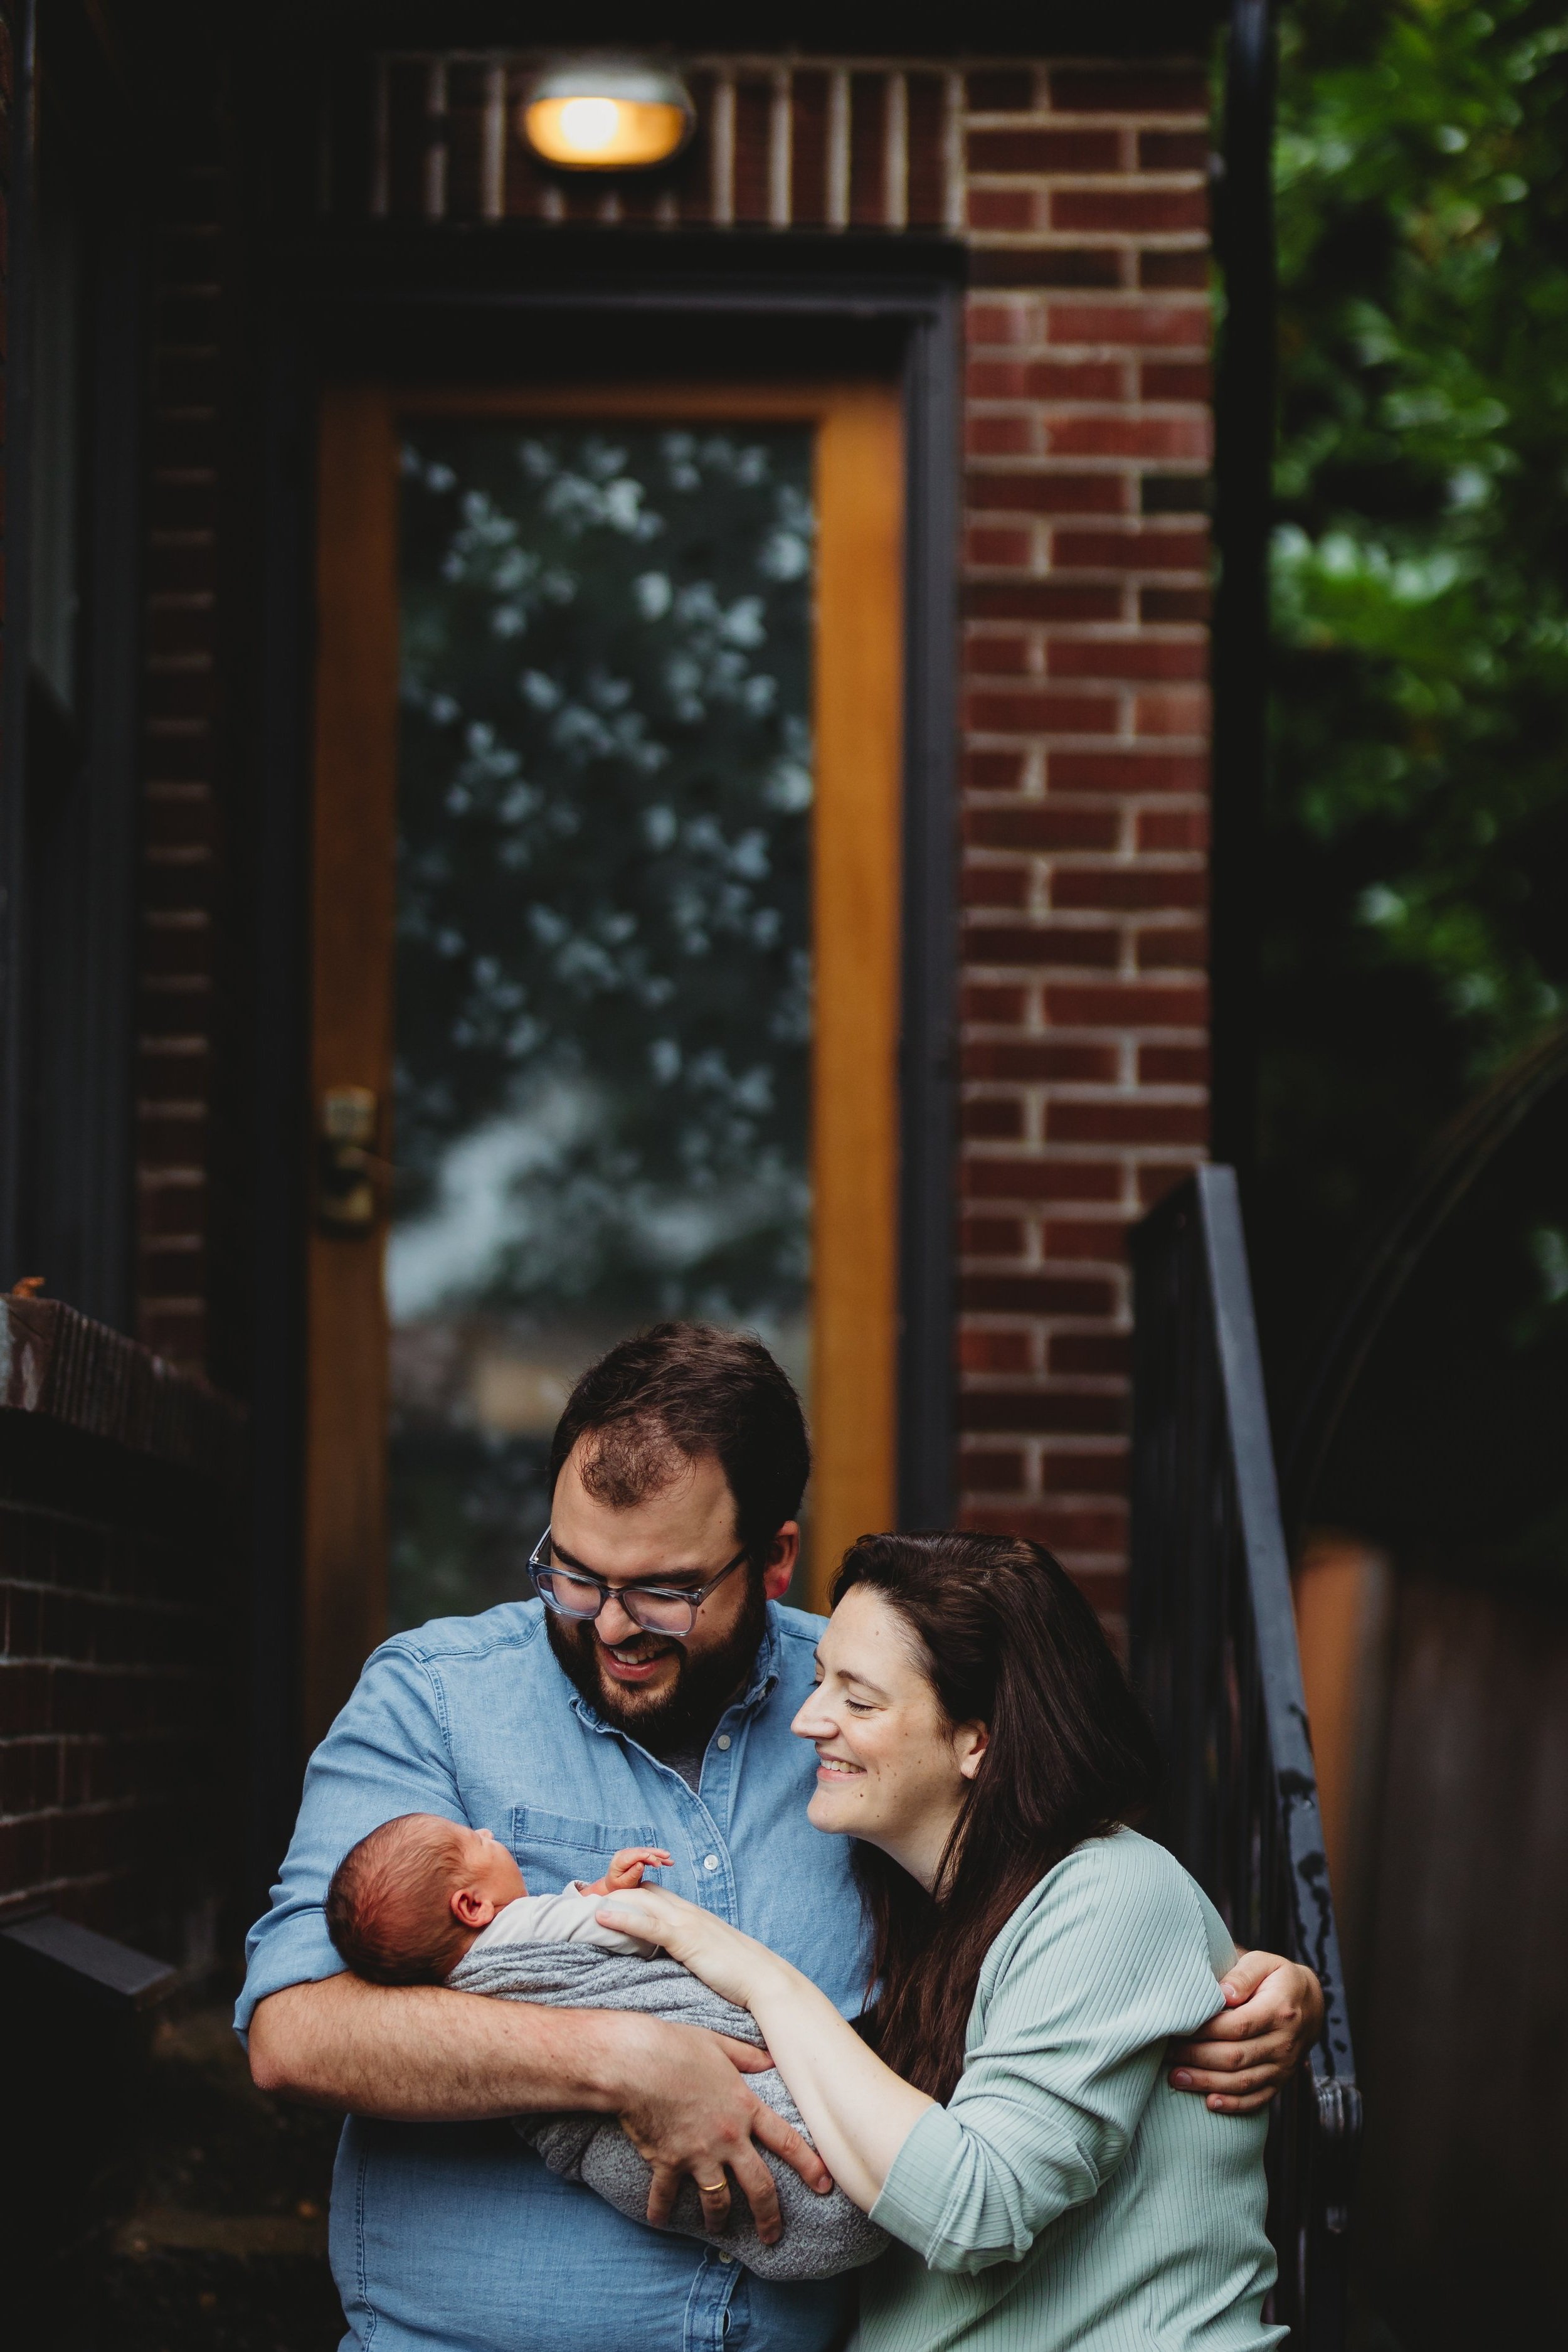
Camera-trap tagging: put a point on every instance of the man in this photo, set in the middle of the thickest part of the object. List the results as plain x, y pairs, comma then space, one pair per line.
610, 1717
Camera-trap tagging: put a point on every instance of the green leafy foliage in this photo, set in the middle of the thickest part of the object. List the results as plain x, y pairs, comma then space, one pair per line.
1416, 883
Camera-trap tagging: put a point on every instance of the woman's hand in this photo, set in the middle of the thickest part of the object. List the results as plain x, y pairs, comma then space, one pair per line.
730, 1964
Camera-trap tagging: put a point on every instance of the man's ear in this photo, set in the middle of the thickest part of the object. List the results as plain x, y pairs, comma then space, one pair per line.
470, 1909
779, 1573
971, 1742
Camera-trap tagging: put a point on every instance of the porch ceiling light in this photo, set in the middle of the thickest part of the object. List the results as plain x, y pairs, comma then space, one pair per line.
607, 114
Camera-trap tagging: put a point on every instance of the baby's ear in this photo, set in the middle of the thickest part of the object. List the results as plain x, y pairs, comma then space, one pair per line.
469, 1908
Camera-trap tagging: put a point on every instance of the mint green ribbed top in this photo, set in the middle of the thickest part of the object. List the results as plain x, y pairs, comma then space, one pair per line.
1066, 2195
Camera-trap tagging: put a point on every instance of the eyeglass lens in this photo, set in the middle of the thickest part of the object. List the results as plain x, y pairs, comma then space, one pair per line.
580, 1596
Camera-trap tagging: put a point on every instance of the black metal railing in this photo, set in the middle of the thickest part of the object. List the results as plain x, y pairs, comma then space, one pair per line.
1214, 1651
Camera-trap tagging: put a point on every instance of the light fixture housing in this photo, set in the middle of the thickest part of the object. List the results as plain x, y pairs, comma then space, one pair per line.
607, 114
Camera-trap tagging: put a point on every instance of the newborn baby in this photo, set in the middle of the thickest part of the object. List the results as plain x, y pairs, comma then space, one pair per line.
419, 1893
427, 1901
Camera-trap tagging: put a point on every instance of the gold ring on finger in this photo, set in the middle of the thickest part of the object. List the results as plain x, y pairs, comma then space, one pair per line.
711, 2187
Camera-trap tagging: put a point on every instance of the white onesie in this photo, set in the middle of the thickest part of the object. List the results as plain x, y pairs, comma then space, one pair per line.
565, 1919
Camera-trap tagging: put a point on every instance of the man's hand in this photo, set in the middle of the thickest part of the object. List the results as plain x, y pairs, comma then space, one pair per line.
693, 2112
1273, 2014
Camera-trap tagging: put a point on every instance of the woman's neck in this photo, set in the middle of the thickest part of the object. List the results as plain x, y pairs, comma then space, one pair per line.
921, 1851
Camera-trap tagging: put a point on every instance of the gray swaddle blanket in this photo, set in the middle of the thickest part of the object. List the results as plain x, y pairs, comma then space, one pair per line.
822, 2235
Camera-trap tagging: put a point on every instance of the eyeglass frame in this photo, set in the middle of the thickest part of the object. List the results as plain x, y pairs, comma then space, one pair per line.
693, 1600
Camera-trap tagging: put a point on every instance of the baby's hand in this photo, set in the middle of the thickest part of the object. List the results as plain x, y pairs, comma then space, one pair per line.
626, 1868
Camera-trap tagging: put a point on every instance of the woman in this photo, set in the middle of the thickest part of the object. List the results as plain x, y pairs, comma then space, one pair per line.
1002, 2109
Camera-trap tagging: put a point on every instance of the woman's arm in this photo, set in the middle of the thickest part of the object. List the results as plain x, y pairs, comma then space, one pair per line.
857, 2110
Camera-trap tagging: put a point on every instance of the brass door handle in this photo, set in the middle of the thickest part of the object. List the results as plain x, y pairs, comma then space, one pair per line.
348, 1191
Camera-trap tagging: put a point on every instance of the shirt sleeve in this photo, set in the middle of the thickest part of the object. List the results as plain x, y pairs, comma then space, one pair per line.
1110, 1958
386, 1753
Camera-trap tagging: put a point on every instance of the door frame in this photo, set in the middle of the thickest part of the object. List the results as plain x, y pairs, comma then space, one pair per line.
328, 307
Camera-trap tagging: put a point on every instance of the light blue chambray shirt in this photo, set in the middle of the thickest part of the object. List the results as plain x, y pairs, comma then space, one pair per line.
455, 2237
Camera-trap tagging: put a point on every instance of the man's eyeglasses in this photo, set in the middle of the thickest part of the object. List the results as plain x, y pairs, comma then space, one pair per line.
574, 1592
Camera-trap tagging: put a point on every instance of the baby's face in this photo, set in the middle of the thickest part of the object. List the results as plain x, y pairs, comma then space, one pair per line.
490, 1870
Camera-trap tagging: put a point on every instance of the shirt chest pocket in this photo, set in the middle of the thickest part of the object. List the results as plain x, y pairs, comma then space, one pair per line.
552, 1849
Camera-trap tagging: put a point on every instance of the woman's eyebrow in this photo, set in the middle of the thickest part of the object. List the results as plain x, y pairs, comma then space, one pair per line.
863, 1682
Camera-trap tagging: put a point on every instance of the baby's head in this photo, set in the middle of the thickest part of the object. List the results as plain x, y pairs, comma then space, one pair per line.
405, 1903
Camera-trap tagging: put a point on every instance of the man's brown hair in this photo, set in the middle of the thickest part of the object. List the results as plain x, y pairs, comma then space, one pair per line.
676, 1392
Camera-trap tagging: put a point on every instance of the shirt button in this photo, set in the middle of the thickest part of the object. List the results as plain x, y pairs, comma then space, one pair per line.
726, 2258
710, 1861
723, 1739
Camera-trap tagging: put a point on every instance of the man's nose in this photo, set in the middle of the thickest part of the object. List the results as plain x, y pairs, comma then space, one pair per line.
613, 1623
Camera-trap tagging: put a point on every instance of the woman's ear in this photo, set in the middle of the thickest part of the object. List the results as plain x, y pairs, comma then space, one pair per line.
971, 1742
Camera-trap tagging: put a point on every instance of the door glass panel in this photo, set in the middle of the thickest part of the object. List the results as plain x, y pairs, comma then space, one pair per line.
603, 961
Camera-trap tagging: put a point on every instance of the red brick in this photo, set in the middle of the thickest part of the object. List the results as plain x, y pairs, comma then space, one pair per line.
996, 1351
1173, 829
991, 1236
1129, 1007
1127, 212
1035, 1294
1127, 1122
1040, 1060
1041, 600
1041, 944
996, 323
1098, 1354
1174, 380
992, 1119
1085, 1474
1127, 772
1003, 1007
1173, 1065
1002, 90
1074, 380
995, 885
1131, 550
1172, 151
1001, 208
1127, 657
1052, 265
1173, 604
1184, 712
1076, 1413
997, 380
1037, 711
1133, 323
1000, 437
1003, 549
1133, 89
1108, 888
1160, 272
994, 652
1045, 151
991, 1472
1040, 1179
1040, 828
1102, 1240
1129, 437
1177, 949
993, 772
1017, 492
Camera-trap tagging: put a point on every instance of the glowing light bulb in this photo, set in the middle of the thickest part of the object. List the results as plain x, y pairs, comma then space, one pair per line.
590, 124
599, 114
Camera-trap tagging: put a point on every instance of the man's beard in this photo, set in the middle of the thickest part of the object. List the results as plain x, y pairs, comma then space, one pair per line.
683, 1717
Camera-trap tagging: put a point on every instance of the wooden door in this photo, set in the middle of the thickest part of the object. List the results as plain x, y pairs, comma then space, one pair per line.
369, 437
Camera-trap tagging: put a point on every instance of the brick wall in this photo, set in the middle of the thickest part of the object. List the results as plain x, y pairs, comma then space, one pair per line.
116, 1536
1084, 1060
1081, 190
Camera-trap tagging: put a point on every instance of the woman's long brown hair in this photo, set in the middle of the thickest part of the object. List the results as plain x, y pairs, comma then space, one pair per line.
1009, 1641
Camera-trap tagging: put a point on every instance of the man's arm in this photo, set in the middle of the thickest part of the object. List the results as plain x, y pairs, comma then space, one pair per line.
1249, 2051
419, 2054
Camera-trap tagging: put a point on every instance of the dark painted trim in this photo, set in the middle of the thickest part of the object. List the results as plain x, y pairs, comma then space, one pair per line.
1244, 459
332, 306
15, 1135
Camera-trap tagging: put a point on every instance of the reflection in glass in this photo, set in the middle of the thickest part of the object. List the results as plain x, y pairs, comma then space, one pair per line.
604, 961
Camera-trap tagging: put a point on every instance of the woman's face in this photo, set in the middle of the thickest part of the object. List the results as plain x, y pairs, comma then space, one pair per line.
889, 1768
